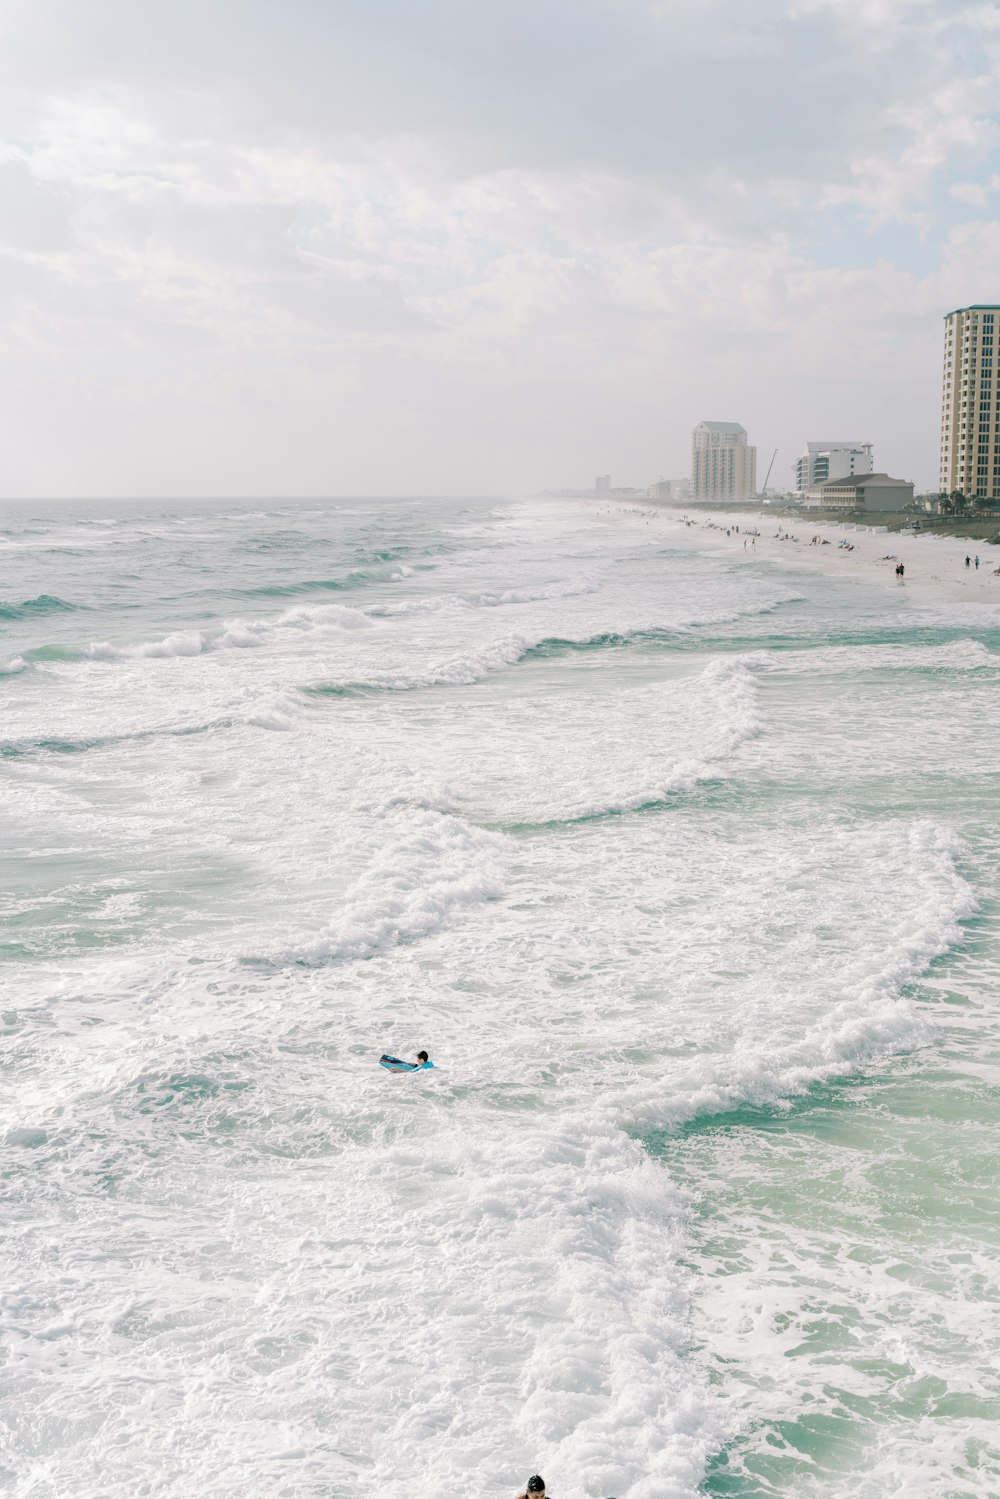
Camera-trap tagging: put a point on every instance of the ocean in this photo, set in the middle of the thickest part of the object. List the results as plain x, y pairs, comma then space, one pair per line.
682, 866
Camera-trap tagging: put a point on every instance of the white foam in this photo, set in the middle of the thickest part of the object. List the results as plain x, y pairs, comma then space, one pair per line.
455, 671
242, 1258
458, 602
861, 1014
730, 685
430, 868
236, 634
955, 655
540, 758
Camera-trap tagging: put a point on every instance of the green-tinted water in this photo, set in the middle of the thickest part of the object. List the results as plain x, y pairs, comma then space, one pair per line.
848, 1248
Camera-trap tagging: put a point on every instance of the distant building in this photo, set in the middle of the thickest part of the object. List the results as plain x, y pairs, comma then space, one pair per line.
670, 489
723, 466
821, 461
862, 492
970, 405
602, 484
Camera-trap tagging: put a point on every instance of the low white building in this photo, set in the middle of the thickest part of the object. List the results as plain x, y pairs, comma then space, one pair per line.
832, 460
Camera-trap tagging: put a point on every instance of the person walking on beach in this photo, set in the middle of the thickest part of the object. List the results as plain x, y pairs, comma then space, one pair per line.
900, 569
968, 560
977, 562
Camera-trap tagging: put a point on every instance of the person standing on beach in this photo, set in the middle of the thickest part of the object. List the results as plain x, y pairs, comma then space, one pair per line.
977, 562
968, 560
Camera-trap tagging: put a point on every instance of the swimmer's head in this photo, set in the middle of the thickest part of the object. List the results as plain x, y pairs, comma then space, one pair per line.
422, 1056
536, 1484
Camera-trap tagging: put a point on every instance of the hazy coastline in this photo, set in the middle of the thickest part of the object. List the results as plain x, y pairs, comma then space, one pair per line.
935, 565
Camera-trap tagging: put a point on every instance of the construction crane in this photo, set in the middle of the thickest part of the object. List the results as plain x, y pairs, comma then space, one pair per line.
768, 474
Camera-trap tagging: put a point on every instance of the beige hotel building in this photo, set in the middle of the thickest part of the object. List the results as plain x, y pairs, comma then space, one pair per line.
723, 464
970, 409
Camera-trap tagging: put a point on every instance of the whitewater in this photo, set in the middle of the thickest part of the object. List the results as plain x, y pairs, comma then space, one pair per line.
680, 863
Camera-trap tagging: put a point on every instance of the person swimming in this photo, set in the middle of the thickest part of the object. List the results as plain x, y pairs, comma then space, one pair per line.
423, 1060
534, 1488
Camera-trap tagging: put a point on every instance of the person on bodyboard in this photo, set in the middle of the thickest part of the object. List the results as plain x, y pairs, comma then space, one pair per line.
394, 1064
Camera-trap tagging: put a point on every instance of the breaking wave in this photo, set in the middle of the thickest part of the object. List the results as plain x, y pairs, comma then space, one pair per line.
457, 671
727, 717
432, 868
235, 634
571, 588
870, 1018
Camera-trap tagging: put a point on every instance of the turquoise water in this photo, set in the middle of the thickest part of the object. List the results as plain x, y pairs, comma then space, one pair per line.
681, 866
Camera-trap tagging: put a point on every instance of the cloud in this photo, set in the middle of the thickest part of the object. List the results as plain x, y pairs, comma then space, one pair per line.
532, 240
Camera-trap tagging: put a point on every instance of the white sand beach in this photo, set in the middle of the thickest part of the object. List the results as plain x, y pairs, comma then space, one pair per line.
934, 565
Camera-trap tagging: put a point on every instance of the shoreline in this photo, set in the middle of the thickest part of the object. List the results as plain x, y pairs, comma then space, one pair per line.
935, 564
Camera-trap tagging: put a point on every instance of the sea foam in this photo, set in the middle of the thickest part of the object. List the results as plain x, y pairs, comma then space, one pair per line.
431, 866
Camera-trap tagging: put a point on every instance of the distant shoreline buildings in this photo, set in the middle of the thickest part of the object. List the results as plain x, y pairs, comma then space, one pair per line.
841, 475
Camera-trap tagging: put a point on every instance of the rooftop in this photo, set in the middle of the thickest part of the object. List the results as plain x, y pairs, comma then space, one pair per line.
976, 307
858, 481
829, 447
723, 426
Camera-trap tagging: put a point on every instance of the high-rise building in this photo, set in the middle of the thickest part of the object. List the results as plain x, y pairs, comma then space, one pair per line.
723, 467
821, 461
970, 408
602, 484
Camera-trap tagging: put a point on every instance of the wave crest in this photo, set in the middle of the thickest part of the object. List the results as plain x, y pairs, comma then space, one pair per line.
45, 603
433, 868
235, 634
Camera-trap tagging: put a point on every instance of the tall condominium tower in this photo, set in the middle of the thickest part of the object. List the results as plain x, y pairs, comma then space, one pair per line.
970, 409
723, 467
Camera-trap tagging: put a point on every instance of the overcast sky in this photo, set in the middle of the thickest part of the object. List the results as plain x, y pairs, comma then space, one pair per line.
276, 247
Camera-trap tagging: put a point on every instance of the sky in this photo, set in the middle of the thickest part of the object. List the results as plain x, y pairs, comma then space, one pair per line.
330, 247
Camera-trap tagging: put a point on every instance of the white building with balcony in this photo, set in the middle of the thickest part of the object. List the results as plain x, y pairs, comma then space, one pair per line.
822, 461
